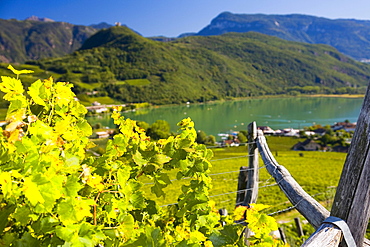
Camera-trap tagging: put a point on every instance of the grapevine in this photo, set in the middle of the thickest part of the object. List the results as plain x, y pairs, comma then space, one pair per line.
52, 193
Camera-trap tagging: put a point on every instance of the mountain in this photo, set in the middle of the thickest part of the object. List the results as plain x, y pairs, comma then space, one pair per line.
119, 63
101, 25
38, 38
35, 18
349, 36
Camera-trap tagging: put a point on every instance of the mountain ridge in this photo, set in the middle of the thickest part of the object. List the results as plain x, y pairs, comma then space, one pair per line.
349, 36
130, 68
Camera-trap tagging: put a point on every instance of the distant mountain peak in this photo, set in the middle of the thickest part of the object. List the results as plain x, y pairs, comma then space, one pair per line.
101, 25
349, 36
35, 18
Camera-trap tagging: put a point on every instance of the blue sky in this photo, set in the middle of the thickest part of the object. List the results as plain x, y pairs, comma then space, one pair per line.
173, 17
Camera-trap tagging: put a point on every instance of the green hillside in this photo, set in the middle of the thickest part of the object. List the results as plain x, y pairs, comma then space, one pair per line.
130, 68
31, 40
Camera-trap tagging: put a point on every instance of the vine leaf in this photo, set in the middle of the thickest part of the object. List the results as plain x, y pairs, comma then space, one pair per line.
32, 192
4, 214
18, 72
35, 91
73, 210
11, 87
160, 181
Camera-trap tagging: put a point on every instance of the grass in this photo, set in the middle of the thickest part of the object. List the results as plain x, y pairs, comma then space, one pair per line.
105, 100
138, 82
87, 100
89, 86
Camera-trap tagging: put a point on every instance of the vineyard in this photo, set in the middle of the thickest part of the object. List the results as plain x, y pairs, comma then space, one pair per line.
54, 194
324, 171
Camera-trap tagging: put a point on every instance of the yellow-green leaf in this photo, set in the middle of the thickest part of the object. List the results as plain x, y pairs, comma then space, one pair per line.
18, 72
6, 184
64, 93
11, 87
32, 192
72, 210
34, 92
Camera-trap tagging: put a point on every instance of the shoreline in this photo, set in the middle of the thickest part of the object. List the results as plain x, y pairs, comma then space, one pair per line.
350, 96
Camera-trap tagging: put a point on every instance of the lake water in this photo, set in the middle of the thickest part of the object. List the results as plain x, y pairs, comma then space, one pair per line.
278, 113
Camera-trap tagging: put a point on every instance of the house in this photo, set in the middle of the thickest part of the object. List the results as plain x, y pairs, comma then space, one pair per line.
307, 145
100, 109
320, 131
309, 133
92, 93
344, 126
266, 130
102, 134
341, 149
279, 132
291, 132
232, 143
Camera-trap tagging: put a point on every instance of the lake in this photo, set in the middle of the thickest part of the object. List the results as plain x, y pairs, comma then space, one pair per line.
224, 117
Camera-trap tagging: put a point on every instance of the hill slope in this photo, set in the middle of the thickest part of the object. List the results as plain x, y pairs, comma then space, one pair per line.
349, 36
29, 40
131, 68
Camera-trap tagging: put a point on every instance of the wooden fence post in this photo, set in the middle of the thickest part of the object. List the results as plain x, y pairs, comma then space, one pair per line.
250, 175
252, 182
242, 185
299, 227
282, 235
352, 199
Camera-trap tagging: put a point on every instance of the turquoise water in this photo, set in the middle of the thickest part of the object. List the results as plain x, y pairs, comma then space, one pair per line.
278, 113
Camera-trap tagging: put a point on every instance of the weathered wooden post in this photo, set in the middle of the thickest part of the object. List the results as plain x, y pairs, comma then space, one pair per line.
352, 200
282, 235
299, 227
252, 182
242, 185
248, 177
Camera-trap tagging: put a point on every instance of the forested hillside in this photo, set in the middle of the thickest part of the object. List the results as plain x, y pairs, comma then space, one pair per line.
31, 40
130, 68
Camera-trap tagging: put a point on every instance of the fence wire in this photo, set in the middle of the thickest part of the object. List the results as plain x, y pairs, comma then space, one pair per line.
265, 184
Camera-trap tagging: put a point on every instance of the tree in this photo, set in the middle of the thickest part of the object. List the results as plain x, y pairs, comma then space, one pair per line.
143, 125
210, 140
241, 137
160, 129
326, 139
201, 137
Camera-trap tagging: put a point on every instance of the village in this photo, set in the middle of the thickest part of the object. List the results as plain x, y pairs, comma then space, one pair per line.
335, 138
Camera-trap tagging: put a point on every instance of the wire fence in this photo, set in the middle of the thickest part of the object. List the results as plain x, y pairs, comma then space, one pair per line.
229, 197
223, 173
